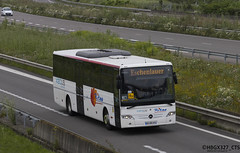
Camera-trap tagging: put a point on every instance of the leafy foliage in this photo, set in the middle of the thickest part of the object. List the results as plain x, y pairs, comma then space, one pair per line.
221, 7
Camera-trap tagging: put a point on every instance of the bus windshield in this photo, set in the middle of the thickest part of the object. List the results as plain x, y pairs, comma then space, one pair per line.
147, 85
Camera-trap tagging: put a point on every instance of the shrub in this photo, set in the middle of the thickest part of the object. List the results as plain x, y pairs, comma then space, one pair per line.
3, 112
221, 7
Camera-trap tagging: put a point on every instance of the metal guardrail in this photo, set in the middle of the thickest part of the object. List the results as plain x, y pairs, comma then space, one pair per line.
236, 57
207, 112
210, 113
29, 63
19, 115
193, 51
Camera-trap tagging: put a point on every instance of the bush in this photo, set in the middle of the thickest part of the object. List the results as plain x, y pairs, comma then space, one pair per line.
221, 7
30, 131
3, 112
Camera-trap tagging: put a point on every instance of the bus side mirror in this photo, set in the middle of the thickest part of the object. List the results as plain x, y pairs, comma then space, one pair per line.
119, 82
175, 78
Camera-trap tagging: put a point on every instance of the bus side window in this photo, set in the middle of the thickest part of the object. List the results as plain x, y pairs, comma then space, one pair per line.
107, 79
92, 74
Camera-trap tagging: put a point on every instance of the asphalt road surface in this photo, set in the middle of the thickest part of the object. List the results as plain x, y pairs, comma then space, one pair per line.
35, 96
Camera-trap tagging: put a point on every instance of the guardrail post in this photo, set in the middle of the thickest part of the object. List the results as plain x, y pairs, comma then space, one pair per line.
193, 50
7, 113
225, 58
33, 123
164, 47
23, 115
208, 55
178, 49
237, 59
24, 121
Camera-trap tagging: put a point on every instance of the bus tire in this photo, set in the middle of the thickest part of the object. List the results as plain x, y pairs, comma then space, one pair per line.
69, 106
106, 120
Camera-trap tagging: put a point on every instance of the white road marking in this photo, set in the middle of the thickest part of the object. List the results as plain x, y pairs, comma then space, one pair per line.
169, 38
31, 77
32, 102
133, 40
209, 44
154, 149
25, 75
50, 1
50, 82
209, 132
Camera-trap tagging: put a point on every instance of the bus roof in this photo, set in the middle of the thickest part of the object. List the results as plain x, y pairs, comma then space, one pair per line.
111, 57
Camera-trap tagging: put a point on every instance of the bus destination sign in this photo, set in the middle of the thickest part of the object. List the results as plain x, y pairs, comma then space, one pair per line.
143, 72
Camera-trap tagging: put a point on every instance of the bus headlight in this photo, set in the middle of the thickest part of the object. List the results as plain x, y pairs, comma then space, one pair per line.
171, 114
127, 117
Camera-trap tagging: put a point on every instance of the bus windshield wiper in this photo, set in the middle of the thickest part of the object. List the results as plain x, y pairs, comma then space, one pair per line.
130, 107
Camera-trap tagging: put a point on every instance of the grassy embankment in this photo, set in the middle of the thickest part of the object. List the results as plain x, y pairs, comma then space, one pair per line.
10, 142
207, 84
158, 22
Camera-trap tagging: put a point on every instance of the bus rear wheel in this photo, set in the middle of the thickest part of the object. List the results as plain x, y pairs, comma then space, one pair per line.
106, 120
69, 107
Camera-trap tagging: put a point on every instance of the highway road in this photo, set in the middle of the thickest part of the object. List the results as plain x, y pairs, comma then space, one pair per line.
180, 40
34, 95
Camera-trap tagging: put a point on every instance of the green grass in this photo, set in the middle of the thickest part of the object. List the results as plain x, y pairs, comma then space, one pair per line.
207, 84
217, 7
145, 4
10, 142
188, 114
27, 68
38, 46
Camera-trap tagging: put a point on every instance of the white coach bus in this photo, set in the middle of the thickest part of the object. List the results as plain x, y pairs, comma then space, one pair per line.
115, 87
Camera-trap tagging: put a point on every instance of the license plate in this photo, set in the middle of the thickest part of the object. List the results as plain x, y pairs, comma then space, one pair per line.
151, 123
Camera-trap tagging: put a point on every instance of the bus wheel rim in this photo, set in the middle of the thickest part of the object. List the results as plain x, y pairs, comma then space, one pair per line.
69, 107
106, 119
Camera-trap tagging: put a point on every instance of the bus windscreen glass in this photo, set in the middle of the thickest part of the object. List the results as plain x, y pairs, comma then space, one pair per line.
147, 85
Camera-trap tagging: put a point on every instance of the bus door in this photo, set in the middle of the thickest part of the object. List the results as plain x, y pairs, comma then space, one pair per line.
79, 72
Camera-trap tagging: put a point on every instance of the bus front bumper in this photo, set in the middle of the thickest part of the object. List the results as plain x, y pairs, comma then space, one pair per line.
129, 122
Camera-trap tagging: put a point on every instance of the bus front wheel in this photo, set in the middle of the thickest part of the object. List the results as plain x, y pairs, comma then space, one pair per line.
106, 120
